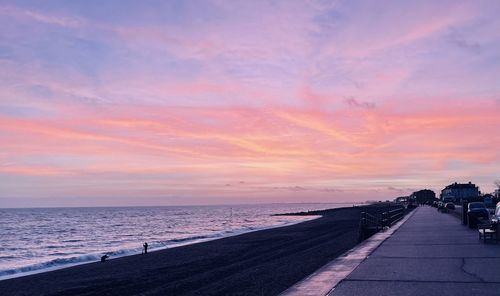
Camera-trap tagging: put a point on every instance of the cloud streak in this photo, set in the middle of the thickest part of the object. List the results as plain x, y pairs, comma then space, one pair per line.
282, 102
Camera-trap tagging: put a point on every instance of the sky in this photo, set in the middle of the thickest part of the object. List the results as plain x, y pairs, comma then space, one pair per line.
215, 102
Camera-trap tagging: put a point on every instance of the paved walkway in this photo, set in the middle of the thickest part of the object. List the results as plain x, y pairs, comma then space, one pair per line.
321, 282
430, 254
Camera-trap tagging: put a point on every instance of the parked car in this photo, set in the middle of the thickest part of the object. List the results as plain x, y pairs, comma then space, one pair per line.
440, 206
450, 206
476, 213
496, 216
448, 199
435, 204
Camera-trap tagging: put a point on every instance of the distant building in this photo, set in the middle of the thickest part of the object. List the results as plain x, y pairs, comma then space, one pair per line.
423, 196
458, 192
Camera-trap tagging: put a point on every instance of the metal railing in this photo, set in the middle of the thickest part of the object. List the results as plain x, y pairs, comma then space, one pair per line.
370, 224
370, 221
391, 217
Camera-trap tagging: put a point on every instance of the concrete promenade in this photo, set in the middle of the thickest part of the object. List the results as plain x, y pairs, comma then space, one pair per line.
430, 254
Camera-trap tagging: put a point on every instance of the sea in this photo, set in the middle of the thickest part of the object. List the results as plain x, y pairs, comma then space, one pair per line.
34, 240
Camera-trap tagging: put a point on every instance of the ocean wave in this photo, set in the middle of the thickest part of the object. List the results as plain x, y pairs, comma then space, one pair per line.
88, 258
179, 240
49, 264
7, 257
59, 263
72, 241
89, 251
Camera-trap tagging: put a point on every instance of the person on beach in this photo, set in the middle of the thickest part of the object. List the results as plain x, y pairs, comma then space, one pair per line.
145, 248
103, 258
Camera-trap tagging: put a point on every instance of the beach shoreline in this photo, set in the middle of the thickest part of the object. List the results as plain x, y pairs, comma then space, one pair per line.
126, 254
259, 262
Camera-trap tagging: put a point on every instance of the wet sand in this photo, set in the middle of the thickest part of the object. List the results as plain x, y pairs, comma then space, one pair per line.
264, 262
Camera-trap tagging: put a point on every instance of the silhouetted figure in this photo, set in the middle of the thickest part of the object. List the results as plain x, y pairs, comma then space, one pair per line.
145, 248
103, 258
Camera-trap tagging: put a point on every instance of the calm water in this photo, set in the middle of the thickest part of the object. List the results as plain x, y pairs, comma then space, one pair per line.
35, 240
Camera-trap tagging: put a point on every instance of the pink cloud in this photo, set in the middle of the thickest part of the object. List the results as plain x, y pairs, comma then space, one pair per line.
253, 140
281, 96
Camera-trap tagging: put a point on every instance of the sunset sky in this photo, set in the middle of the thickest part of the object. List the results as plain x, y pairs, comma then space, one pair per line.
212, 102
